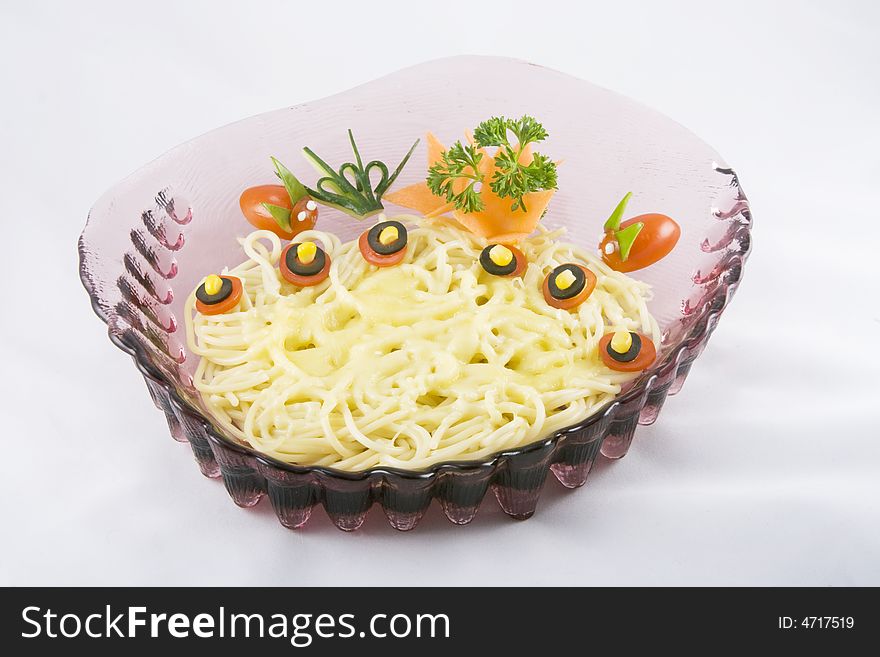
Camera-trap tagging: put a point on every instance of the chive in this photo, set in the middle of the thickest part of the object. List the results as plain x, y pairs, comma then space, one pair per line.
349, 188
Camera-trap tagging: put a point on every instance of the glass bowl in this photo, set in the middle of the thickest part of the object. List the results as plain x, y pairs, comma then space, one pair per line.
150, 239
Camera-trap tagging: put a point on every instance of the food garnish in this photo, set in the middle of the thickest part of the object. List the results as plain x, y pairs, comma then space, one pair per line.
304, 212
384, 244
304, 264
568, 286
500, 197
305, 256
513, 178
459, 165
638, 242
291, 208
218, 294
268, 207
212, 286
298, 195
503, 260
350, 188
627, 351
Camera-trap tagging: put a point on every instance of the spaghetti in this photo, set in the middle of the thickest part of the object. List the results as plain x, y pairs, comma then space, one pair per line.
428, 361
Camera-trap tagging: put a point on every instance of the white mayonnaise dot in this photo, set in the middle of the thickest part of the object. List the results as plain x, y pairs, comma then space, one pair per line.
301, 216
311, 206
609, 248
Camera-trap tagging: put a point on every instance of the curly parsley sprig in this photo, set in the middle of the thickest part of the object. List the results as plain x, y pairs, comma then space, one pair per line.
511, 180
458, 163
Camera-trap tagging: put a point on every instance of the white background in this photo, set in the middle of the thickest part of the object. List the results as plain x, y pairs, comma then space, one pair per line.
764, 470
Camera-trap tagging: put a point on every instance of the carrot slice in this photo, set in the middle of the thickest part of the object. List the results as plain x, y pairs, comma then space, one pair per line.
498, 223
435, 148
416, 197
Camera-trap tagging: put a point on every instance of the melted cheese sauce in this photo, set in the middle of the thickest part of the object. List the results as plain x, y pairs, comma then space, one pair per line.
431, 360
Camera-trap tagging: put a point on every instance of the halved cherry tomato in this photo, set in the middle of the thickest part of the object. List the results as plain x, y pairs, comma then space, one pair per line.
227, 304
657, 238
378, 259
298, 279
577, 299
251, 203
304, 214
646, 356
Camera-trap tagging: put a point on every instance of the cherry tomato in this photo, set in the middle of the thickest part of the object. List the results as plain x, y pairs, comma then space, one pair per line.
304, 215
657, 238
227, 304
251, 203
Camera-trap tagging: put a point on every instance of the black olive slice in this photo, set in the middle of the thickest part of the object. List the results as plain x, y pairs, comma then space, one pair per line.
302, 269
210, 299
386, 249
580, 279
631, 354
492, 268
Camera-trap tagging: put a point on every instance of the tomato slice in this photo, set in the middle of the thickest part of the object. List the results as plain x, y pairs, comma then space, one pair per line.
297, 279
251, 203
647, 355
655, 241
227, 304
377, 258
521, 262
519, 258
576, 300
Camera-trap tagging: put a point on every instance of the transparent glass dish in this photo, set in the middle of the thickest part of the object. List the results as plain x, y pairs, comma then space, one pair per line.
150, 239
